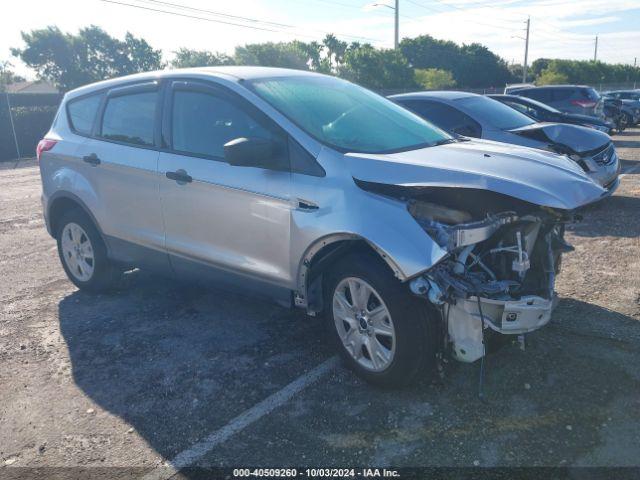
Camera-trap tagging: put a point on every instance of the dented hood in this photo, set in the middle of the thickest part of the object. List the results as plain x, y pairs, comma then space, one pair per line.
528, 174
574, 138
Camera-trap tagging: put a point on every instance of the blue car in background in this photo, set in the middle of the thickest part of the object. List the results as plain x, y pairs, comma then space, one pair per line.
580, 99
544, 113
471, 115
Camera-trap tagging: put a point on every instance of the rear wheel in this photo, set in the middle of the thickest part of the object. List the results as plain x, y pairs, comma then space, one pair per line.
382, 331
83, 253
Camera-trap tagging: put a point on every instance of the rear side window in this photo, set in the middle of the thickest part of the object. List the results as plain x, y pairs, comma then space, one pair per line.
542, 95
82, 113
561, 94
130, 118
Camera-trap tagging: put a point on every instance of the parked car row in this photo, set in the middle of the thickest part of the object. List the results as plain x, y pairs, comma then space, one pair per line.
479, 116
412, 237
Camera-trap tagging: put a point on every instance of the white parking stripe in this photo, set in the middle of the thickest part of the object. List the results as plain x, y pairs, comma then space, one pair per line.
197, 451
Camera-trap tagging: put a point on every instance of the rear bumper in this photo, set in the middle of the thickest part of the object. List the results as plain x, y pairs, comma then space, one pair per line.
45, 213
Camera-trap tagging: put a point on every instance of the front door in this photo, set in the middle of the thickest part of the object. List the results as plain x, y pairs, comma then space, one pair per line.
227, 222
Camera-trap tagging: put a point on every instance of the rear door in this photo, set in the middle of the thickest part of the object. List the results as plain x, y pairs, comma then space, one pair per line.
224, 222
121, 161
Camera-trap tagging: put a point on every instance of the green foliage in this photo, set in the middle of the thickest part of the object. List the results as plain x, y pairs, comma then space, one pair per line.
283, 54
549, 76
376, 68
472, 65
7, 75
69, 60
434, 78
583, 71
185, 58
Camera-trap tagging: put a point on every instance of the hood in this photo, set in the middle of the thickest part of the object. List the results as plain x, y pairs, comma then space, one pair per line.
535, 176
570, 139
576, 117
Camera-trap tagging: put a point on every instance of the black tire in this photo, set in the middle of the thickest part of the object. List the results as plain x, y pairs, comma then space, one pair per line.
413, 324
105, 274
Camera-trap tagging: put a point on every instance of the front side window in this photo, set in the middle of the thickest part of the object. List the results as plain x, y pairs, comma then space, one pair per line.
445, 117
523, 109
130, 118
493, 112
82, 113
202, 123
345, 116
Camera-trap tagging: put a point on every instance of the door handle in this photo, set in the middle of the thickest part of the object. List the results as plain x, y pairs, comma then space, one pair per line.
306, 205
92, 159
179, 176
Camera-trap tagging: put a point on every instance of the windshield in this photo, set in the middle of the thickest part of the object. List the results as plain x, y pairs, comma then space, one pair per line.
346, 116
493, 112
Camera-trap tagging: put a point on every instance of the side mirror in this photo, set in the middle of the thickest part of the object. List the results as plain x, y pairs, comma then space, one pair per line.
250, 152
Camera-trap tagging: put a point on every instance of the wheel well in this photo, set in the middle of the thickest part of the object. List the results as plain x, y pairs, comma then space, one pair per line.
311, 284
59, 207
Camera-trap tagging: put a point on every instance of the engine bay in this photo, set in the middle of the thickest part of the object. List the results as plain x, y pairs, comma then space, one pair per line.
501, 266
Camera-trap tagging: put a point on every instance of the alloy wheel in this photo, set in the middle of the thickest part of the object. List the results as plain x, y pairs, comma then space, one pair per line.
364, 324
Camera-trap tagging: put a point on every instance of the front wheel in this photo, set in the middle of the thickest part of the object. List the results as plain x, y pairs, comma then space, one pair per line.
83, 253
382, 331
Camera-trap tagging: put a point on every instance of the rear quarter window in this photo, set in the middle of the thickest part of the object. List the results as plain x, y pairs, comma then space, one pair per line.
560, 94
82, 113
542, 95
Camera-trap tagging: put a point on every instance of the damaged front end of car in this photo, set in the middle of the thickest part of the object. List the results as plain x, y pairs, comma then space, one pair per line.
503, 255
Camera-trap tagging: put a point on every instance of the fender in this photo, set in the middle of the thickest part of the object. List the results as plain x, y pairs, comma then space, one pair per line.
75, 199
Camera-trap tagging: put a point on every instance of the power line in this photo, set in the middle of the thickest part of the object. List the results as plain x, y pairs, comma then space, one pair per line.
225, 22
211, 12
432, 7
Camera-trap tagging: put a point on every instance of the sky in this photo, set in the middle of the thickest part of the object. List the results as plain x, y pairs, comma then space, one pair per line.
559, 28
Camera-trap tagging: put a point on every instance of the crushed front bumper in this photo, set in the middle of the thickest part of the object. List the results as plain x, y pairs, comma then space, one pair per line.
513, 317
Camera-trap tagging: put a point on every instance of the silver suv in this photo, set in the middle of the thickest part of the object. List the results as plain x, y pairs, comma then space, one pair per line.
317, 193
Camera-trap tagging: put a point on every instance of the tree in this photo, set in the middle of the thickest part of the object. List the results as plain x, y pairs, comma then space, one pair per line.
185, 58
283, 54
336, 50
377, 68
549, 76
472, 65
69, 60
7, 76
434, 78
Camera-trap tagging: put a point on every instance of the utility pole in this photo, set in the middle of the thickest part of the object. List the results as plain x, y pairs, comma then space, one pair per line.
396, 38
526, 52
595, 52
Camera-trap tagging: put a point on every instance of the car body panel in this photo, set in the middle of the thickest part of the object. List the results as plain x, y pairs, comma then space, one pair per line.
485, 165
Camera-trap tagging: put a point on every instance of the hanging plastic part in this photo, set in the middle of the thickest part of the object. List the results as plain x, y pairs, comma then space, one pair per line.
484, 354
522, 264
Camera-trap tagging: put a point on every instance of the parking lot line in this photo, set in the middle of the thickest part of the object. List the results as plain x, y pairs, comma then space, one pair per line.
631, 170
192, 454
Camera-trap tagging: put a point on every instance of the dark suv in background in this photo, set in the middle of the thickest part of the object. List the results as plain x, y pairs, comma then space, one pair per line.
566, 98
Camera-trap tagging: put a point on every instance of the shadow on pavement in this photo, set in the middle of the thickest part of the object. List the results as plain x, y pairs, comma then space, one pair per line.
177, 362
568, 399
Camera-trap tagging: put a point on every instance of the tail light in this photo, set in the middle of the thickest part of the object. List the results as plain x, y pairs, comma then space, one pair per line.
584, 103
44, 145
